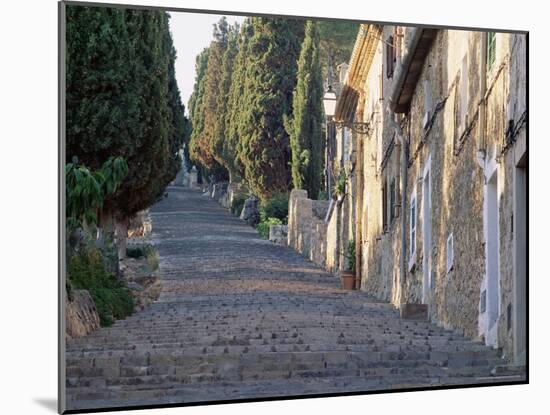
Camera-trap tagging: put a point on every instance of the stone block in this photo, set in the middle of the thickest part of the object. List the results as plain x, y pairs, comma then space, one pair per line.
250, 213
278, 234
106, 361
413, 312
127, 371
82, 317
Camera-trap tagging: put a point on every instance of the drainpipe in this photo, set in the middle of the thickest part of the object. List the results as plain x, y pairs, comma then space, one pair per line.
481, 145
392, 116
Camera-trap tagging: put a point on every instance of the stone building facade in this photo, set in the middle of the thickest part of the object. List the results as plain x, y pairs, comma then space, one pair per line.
436, 197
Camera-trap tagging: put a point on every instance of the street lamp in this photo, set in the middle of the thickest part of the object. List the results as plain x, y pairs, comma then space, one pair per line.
329, 102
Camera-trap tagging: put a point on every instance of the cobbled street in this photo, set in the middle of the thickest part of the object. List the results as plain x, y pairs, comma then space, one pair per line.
240, 317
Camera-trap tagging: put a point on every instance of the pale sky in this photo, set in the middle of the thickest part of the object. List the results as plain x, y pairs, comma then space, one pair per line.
192, 32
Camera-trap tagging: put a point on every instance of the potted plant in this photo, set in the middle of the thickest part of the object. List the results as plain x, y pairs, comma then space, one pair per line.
348, 275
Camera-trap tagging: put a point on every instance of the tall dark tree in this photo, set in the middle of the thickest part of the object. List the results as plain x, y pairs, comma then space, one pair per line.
271, 62
195, 103
223, 151
122, 99
305, 126
233, 117
203, 138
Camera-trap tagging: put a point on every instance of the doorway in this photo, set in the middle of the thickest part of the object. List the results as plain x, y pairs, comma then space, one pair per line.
492, 259
520, 260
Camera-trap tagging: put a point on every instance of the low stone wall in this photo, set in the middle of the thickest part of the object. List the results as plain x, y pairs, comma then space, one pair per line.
307, 229
278, 234
81, 315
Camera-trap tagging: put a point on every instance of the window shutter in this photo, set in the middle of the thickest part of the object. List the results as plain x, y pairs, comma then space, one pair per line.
413, 226
464, 83
392, 200
450, 252
428, 104
390, 57
385, 205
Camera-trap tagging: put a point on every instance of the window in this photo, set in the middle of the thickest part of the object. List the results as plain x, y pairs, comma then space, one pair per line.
412, 228
385, 206
392, 200
450, 253
464, 98
346, 135
390, 56
491, 48
428, 104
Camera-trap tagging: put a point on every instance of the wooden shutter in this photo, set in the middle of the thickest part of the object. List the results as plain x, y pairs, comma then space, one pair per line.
390, 57
385, 205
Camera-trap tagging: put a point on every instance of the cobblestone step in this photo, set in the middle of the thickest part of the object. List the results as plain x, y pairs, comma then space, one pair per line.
239, 317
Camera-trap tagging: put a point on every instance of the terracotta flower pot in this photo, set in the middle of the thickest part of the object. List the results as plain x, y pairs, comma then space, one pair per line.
348, 280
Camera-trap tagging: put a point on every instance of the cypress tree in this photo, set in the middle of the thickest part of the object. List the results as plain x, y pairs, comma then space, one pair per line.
195, 102
233, 118
203, 138
150, 160
271, 62
223, 151
101, 90
122, 99
305, 126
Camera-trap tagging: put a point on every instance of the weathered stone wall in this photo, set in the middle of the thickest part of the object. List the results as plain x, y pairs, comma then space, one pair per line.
381, 156
449, 154
514, 156
278, 234
307, 230
81, 314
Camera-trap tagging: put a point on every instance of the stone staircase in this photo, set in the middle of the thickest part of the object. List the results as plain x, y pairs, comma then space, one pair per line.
241, 318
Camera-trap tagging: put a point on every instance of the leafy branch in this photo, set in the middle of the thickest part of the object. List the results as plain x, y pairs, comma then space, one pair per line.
86, 190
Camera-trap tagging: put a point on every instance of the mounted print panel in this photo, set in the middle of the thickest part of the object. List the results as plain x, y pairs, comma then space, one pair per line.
261, 206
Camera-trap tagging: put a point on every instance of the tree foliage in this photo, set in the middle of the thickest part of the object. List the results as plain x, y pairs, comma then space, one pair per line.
203, 137
223, 150
123, 100
86, 190
233, 121
256, 105
271, 61
304, 127
337, 39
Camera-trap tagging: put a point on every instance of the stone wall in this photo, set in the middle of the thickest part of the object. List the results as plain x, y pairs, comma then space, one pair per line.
307, 230
81, 314
444, 163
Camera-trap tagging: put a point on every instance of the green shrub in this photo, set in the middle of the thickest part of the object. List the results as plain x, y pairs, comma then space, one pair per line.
139, 251
237, 205
350, 256
340, 185
86, 271
263, 227
144, 251
276, 207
